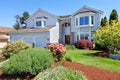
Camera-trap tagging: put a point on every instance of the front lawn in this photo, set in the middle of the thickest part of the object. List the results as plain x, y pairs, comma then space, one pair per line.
86, 57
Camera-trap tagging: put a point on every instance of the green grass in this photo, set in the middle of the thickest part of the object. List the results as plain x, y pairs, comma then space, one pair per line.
86, 57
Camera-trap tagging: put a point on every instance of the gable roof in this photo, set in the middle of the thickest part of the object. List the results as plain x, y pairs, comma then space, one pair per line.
5, 29
88, 9
39, 11
42, 29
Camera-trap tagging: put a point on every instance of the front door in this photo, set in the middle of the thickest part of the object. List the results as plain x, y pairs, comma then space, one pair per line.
67, 39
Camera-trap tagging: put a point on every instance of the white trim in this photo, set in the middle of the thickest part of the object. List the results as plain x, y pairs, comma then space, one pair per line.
39, 10
88, 8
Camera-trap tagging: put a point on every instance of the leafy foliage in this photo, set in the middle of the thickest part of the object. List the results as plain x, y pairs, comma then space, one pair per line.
83, 44
113, 16
69, 47
20, 20
104, 21
30, 61
14, 47
60, 73
58, 50
109, 36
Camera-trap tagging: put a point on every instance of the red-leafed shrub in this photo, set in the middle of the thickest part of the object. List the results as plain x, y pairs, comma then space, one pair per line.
58, 50
84, 44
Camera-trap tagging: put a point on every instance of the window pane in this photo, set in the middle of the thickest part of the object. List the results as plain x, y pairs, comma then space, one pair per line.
44, 23
76, 21
81, 20
86, 20
82, 36
38, 23
77, 37
92, 20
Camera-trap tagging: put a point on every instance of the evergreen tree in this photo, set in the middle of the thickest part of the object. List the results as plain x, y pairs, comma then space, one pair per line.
23, 18
17, 25
113, 16
104, 21
20, 20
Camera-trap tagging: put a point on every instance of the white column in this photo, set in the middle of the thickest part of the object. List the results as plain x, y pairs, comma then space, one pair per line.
89, 33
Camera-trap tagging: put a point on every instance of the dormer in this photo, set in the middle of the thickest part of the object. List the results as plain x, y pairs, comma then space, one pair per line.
40, 21
86, 17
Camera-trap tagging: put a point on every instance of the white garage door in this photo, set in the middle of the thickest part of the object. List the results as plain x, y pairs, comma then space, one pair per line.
40, 41
29, 40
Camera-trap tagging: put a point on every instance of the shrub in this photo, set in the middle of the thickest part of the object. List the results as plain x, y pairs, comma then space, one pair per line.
69, 47
30, 61
84, 44
58, 50
60, 73
14, 48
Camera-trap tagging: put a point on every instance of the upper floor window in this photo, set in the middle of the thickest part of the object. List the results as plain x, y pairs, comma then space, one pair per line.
92, 20
84, 20
44, 23
76, 21
38, 23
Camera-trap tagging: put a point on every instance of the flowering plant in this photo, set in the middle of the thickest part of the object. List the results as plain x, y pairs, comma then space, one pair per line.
58, 50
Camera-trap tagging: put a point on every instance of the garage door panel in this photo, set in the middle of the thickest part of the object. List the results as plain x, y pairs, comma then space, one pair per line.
40, 41
29, 40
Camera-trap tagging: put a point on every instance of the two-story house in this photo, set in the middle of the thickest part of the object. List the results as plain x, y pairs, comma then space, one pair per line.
44, 27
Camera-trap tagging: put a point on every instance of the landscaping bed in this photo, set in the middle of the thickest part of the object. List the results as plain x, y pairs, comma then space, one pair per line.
14, 77
91, 73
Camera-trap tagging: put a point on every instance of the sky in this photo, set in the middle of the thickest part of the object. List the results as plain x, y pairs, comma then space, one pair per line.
10, 8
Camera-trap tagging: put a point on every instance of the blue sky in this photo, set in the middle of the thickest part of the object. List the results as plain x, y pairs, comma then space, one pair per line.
10, 8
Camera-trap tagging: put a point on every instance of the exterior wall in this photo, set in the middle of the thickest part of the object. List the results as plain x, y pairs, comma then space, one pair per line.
3, 43
39, 39
54, 35
97, 21
50, 21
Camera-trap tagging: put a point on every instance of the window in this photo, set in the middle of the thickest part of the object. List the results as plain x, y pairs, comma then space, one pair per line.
44, 23
76, 21
77, 37
84, 20
38, 23
92, 20
84, 36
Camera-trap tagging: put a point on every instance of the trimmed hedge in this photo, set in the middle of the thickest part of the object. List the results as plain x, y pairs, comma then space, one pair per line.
84, 44
14, 47
30, 61
60, 73
69, 47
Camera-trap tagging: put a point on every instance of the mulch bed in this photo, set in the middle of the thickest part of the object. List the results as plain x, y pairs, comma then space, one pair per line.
104, 54
91, 72
9, 77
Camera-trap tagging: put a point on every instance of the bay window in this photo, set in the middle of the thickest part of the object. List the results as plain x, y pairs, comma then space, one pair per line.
84, 20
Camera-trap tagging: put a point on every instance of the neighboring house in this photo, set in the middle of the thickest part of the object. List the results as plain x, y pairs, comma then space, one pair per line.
44, 28
4, 38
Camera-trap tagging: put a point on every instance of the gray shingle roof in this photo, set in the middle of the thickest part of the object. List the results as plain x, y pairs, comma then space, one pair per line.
42, 29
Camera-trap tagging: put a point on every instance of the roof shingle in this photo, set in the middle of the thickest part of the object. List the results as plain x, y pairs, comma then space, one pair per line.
42, 29
6, 29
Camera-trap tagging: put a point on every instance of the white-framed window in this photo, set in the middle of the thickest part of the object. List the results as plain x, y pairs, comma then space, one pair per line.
76, 21
84, 36
84, 20
92, 20
38, 23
